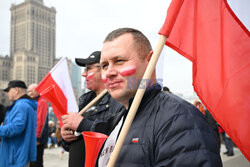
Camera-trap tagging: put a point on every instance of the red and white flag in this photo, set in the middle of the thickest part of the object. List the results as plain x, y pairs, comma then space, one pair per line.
208, 33
56, 88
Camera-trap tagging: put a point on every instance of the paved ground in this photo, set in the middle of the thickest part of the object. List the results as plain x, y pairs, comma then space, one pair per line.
238, 160
53, 158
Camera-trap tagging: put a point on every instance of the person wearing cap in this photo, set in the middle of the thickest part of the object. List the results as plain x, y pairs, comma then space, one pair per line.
18, 132
42, 130
102, 110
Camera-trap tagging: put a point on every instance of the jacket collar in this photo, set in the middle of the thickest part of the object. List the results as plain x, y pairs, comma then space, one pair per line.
37, 98
25, 96
148, 95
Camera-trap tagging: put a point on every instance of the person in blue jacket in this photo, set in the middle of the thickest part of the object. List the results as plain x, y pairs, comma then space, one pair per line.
18, 132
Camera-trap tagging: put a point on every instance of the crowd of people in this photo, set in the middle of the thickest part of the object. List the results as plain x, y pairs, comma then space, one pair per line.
166, 131
24, 130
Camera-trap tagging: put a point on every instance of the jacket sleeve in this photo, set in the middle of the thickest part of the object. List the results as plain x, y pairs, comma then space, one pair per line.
85, 125
65, 145
16, 125
185, 140
41, 116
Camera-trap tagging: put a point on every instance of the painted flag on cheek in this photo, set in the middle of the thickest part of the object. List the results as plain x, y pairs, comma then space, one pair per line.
104, 78
208, 33
127, 71
90, 75
57, 89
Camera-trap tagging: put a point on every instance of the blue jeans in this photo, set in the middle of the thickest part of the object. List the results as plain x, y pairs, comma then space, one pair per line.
52, 139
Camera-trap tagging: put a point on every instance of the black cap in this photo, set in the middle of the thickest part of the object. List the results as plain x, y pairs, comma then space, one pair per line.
14, 84
93, 58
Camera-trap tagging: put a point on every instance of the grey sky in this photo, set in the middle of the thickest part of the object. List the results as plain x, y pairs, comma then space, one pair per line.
81, 26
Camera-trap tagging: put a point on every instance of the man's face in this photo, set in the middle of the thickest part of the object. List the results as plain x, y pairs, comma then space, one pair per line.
32, 92
121, 66
12, 93
92, 74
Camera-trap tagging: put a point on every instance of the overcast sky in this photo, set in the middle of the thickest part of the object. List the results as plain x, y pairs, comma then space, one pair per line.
81, 26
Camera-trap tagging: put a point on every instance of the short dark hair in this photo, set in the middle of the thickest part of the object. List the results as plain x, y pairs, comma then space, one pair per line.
166, 89
142, 43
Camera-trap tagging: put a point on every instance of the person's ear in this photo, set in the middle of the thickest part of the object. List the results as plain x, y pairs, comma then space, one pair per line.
149, 55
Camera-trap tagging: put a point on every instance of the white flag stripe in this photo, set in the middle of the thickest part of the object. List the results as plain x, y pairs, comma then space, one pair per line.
60, 75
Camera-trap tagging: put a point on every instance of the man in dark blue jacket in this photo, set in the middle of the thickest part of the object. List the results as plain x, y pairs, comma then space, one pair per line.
166, 131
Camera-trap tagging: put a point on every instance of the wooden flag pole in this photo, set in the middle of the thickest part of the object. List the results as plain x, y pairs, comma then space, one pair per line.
93, 101
137, 100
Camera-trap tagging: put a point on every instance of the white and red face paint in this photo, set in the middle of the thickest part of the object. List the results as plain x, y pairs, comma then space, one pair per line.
90, 75
125, 71
104, 78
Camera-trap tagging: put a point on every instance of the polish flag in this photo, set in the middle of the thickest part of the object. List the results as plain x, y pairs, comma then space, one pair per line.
57, 89
212, 37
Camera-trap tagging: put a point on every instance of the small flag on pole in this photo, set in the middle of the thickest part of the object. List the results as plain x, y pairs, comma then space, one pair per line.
56, 88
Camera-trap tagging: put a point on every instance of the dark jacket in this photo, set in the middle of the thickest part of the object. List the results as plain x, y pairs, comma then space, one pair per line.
43, 139
2, 112
169, 132
105, 108
213, 124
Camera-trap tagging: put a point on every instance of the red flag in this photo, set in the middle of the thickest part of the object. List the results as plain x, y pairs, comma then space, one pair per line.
56, 88
209, 34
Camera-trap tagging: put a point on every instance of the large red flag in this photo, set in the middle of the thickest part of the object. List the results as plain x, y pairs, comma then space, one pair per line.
209, 34
56, 88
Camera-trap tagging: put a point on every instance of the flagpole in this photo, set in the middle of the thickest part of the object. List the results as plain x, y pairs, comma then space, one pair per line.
137, 100
93, 101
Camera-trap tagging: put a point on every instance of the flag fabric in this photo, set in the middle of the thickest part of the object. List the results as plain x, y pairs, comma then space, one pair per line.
56, 88
209, 34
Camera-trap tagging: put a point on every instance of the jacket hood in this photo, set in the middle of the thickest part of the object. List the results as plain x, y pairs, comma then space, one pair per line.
26, 98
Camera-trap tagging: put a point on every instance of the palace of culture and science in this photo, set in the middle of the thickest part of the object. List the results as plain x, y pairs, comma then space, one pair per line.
32, 43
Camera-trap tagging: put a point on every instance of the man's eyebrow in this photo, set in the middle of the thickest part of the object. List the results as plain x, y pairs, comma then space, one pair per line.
112, 58
103, 62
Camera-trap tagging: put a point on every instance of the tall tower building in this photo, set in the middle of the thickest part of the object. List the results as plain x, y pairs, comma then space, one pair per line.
5, 77
33, 40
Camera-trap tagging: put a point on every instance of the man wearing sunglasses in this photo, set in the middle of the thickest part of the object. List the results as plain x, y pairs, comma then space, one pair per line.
102, 110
